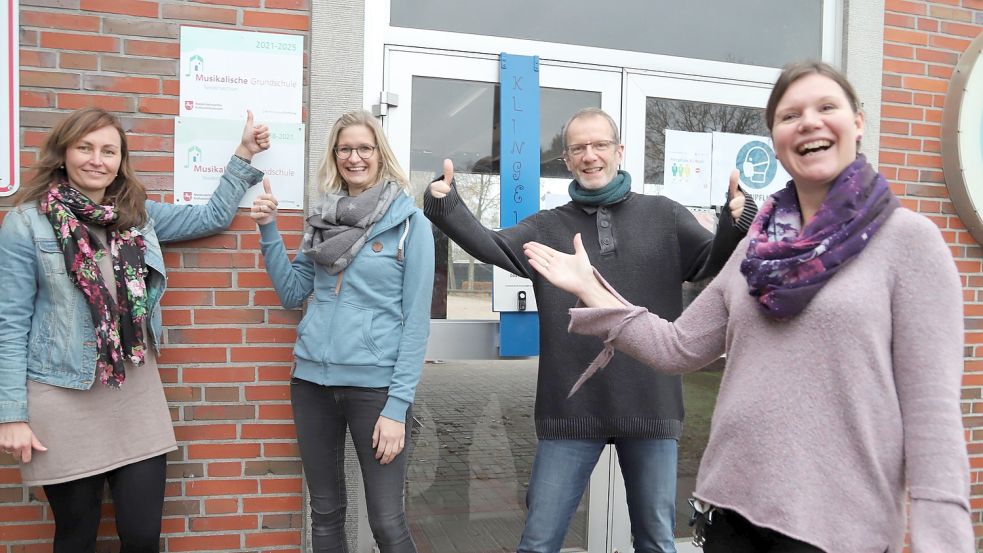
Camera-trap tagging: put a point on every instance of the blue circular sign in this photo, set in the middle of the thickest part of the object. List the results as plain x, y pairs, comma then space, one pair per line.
756, 164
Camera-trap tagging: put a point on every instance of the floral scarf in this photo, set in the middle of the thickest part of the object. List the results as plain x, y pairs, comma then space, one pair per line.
118, 324
786, 264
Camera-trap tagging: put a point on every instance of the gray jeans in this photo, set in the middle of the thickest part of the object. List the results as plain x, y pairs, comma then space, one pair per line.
322, 414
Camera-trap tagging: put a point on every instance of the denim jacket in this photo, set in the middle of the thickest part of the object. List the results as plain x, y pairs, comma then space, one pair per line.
46, 331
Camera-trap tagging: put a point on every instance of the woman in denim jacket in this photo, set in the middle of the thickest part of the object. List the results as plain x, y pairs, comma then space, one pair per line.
81, 402
368, 259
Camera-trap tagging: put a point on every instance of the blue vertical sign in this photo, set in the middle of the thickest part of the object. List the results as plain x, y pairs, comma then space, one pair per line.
519, 111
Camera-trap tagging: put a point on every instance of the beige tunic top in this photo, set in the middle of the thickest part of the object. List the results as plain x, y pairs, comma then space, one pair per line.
89, 432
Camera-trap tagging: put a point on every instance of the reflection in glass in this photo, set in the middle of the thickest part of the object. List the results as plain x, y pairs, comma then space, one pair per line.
699, 388
699, 396
473, 446
683, 115
459, 120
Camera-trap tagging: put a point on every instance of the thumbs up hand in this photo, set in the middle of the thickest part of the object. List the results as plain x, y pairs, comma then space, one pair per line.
440, 188
255, 138
264, 206
736, 203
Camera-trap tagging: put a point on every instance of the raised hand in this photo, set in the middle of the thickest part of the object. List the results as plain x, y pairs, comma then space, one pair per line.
440, 188
388, 439
255, 138
265, 205
18, 440
571, 273
736, 204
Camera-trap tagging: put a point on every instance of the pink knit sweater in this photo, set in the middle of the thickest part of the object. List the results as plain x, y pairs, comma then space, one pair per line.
822, 421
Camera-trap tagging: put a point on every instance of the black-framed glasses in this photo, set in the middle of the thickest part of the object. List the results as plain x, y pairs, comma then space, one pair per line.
364, 151
599, 147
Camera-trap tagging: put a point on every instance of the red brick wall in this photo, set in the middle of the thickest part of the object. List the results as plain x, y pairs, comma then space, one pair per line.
235, 482
922, 44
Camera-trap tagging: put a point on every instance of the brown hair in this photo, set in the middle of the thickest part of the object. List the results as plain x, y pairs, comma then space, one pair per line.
126, 192
329, 179
799, 69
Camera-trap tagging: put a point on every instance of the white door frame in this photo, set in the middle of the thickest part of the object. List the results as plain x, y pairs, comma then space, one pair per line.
605, 525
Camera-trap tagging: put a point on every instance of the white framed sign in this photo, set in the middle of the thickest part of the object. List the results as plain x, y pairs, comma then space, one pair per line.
202, 148
225, 72
760, 172
686, 176
10, 101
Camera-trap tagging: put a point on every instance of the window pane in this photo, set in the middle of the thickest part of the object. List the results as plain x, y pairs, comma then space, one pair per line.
683, 115
473, 446
459, 120
769, 33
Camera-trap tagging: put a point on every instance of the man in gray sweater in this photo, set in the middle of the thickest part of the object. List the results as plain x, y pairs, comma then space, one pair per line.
647, 246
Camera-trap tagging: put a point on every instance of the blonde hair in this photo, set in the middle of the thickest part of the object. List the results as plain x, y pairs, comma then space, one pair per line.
329, 179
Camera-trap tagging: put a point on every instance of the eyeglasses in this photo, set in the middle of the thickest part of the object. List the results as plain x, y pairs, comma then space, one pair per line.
599, 147
364, 151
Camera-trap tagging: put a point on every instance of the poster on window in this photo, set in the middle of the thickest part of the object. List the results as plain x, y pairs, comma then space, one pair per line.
202, 148
760, 172
686, 176
9, 101
223, 73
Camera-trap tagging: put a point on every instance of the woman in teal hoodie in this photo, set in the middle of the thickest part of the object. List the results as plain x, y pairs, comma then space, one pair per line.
368, 259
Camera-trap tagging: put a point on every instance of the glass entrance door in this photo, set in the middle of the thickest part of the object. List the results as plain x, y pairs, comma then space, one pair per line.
654, 104
474, 435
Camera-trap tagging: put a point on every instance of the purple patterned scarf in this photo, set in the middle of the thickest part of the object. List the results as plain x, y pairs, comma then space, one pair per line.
118, 324
786, 264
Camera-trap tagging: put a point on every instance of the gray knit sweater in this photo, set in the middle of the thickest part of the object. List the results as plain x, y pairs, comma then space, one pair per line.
648, 245
823, 420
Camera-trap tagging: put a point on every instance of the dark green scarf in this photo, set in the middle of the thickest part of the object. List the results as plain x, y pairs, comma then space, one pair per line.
613, 192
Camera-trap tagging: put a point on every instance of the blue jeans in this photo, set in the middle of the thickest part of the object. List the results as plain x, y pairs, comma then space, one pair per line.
321, 415
560, 475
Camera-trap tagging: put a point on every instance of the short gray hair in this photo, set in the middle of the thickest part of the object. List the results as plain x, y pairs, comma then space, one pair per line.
592, 112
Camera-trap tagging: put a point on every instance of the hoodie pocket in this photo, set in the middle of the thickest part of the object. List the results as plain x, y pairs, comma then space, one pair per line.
311, 333
351, 340
337, 333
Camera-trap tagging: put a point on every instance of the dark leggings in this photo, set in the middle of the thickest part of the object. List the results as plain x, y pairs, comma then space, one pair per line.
138, 497
732, 533
322, 414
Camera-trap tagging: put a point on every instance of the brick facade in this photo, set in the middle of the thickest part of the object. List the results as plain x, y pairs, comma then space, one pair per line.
922, 44
235, 483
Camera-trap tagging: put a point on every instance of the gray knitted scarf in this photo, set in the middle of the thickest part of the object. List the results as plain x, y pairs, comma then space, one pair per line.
338, 227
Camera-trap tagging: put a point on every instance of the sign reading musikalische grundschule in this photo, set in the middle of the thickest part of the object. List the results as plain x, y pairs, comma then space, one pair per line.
224, 73
9, 101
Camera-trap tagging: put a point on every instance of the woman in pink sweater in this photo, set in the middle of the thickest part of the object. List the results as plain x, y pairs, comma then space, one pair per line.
841, 318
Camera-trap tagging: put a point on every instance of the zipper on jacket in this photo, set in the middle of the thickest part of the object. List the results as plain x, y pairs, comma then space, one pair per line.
337, 286
402, 240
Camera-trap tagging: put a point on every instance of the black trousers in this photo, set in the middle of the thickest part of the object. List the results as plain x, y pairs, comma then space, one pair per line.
138, 498
732, 533
322, 414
